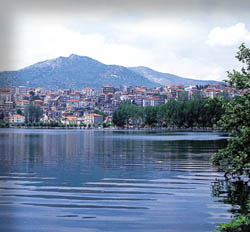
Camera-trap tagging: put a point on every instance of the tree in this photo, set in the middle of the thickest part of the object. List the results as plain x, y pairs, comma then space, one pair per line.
33, 113
237, 194
100, 112
213, 111
235, 158
120, 117
31, 93
183, 96
179, 114
18, 111
161, 115
197, 95
150, 115
127, 114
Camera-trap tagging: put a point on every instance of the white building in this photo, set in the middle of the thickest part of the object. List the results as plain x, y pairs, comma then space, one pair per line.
93, 119
17, 119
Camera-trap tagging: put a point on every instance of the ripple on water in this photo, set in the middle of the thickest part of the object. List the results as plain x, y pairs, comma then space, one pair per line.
92, 181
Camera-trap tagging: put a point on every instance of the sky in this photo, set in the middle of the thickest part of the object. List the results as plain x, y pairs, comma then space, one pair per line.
190, 38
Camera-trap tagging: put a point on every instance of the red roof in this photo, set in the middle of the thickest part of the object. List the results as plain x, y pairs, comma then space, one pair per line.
18, 116
4, 90
94, 115
108, 86
73, 100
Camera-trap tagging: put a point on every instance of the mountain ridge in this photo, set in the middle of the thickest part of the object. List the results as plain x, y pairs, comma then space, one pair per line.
77, 72
167, 78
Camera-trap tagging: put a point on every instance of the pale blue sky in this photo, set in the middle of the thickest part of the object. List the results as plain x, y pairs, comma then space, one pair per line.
194, 38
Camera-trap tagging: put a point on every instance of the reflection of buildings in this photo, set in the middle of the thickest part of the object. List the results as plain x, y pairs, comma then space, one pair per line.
89, 149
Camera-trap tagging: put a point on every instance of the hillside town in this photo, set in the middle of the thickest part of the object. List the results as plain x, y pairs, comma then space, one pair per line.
92, 107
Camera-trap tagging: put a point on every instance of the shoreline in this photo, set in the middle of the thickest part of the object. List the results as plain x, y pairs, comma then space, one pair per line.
120, 129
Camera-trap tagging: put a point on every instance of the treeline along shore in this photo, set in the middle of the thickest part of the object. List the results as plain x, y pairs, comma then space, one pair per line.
174, 114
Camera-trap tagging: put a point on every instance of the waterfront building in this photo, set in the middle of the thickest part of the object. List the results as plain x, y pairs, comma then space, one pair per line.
16, 119
93, 119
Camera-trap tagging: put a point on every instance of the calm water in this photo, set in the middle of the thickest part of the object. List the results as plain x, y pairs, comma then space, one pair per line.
72, 180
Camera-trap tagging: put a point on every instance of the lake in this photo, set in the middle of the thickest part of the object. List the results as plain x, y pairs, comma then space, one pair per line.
95, 181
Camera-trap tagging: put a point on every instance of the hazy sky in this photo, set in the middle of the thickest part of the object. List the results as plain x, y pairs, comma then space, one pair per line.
192, 38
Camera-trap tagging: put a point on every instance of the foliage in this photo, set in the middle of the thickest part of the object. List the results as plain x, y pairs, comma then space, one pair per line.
127, 114
18, 111
183, 96
50, 124
150, 115
241, 80
100, 112
3, 124
81, 125
237, 195
33, 98
197, 95
241, 223
31, 93
106, 124
214, 110
32, 113
179, 114
235, 158
238, 224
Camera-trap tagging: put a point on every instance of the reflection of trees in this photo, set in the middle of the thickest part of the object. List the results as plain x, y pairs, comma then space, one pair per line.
234, 193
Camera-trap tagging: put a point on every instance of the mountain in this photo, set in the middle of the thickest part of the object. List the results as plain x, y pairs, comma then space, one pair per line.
74, 72
168, 79
77, 72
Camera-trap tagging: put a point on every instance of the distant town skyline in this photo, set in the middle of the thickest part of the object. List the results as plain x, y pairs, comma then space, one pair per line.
89, 106
196, 39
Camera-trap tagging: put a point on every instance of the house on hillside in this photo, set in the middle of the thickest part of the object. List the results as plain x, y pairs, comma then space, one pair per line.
16, 119
73, 103
38, 102
93, 119
70, 120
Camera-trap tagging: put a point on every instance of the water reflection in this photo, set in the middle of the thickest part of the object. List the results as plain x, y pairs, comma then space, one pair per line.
235, 193
109, 181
